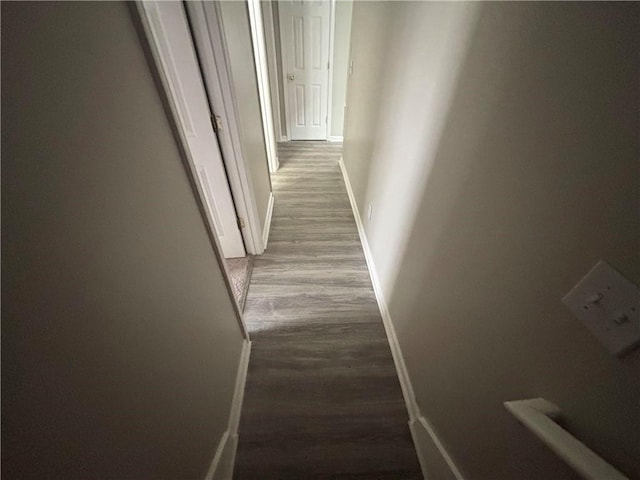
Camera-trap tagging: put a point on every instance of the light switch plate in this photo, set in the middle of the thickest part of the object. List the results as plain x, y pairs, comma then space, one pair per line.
609, 305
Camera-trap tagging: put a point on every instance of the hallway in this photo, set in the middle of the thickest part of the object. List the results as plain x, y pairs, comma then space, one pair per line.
322, 398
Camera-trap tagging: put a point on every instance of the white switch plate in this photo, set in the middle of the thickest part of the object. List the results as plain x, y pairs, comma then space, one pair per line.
609, 305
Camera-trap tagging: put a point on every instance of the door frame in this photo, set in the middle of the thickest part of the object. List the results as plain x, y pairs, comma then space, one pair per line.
143, 25
332, 43
256, 26
206, 25
283, 74
272, 67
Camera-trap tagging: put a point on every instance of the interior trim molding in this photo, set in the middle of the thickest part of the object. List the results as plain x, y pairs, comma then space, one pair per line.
267, 221
257, 30
398, 359
332, 42
425, 439
211, 48
272, 67
335, 138
417, 421
142, 23
222, 445
221, 467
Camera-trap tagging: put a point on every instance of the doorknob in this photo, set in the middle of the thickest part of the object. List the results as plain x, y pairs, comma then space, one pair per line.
291, 76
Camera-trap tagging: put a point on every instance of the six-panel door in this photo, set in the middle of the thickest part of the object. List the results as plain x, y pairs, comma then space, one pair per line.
304, 34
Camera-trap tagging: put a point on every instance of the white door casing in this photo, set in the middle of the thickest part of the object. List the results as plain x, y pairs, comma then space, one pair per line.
209, 38
304, 39
272, 67
172, 37
256, 26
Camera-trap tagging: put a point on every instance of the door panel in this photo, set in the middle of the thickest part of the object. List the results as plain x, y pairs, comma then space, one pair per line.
173, 39
304, 37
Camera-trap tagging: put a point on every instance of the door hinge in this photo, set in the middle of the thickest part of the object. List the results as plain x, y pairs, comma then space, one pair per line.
216, 123
240, 222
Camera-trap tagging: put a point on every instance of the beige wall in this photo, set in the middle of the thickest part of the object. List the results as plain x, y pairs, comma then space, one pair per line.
120, 345
369, 57
531, 178
403, 94
235, 20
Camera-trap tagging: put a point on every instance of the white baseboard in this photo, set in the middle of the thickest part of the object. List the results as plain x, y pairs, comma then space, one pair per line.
275, 165
434, 459
284, 138
238, 393
405, 383
267, 221
215, 463
227, 459
335, 138
224, 459
417, 423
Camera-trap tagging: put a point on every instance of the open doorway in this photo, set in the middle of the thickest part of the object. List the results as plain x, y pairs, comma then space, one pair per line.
208, 128
307, 47
179, 64
225, 66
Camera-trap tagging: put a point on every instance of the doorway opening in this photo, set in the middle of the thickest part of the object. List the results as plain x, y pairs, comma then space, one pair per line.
243, 78
307, 49
207, 125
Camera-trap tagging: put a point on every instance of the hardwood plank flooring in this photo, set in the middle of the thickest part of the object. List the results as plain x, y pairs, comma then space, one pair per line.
322, 398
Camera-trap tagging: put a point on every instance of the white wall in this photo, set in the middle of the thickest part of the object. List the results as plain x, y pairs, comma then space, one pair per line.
235, 20
499, 150
369, 56
417, 76
120, 345
276, 67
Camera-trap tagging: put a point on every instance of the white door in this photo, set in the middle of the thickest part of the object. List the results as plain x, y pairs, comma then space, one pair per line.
172, 37
304, 38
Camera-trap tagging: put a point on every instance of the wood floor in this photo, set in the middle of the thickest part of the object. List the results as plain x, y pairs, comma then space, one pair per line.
322, 398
